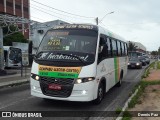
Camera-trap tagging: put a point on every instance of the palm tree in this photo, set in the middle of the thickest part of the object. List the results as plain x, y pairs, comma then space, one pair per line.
132, 46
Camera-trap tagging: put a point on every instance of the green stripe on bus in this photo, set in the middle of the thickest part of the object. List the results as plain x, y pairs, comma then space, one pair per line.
58, 74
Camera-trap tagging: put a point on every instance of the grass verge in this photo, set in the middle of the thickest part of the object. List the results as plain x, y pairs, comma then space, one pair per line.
141, 87
135, 100
147, 70
158, 65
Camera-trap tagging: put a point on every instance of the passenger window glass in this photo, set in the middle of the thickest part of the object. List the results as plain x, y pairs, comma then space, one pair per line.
114, 48
109, 47
123, 48
126, 49
119, 48
103, 48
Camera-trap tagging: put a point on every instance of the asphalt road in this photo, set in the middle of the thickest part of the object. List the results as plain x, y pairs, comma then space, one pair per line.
19, 99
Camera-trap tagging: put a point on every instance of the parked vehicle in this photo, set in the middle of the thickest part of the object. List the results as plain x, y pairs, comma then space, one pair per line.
147, 59
134, 63
12, 56
143, 60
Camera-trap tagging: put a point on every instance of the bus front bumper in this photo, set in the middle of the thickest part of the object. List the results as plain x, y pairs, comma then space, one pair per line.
81, 92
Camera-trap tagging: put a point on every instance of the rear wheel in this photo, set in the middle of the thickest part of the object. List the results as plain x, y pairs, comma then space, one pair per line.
119, 83
100, 94
120, 80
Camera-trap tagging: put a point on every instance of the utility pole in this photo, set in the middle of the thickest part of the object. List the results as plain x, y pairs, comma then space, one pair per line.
105, 16
96, 20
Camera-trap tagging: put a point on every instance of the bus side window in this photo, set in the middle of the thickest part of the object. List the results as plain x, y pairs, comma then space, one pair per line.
102, 52
123, 48
109, 47
126, 49
119, 48
114, 48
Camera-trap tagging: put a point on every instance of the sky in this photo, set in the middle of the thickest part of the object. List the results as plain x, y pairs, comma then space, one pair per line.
134, 20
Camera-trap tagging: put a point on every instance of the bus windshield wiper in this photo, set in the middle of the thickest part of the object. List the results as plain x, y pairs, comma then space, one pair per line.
70, 55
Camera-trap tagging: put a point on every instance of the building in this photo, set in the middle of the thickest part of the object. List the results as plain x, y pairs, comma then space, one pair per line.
139, 46
38, 30
19, 8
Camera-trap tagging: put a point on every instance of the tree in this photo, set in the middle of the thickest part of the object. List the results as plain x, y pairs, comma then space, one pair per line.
159, 51
15, 37
154, 53
132, 46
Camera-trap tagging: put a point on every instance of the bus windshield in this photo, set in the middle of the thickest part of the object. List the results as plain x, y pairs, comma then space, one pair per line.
68, 45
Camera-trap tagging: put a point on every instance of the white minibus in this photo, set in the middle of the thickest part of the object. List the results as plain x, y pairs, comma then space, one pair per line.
78, 62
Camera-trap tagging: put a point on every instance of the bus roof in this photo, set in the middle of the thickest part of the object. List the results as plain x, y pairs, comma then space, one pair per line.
110, 34
101, 29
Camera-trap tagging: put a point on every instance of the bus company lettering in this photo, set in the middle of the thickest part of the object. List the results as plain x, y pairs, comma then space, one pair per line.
60, 69
67, 57
64, 74
90, 27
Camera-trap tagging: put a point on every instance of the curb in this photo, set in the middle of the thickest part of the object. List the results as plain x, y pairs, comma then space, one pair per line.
14, 83
10, 73
126, 104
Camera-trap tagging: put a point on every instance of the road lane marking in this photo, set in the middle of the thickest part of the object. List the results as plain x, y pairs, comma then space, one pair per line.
16, 102
139, 74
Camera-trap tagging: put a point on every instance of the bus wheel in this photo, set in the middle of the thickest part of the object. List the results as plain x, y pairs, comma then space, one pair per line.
100, 94
119, 83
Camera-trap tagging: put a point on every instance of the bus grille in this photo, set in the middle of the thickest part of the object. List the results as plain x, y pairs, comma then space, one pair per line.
65, 83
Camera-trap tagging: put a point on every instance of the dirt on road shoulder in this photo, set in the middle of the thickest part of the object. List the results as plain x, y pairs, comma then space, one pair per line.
150, 99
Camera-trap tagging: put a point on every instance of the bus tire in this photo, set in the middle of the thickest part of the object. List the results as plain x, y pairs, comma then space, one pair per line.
100, 94
119, 83
120, 80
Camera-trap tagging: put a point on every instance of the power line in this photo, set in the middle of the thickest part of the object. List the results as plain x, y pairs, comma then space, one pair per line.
44, 12
62, 10
49, 13
38, 18
134, 24
56, 12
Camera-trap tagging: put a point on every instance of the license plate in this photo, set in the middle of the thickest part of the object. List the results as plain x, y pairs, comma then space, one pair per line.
132, 66
54, 87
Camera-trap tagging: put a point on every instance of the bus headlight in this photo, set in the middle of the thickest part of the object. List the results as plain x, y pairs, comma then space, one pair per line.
82, 80
34, 76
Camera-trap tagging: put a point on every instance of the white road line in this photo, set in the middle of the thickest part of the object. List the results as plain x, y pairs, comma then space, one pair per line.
139, 74
16, 102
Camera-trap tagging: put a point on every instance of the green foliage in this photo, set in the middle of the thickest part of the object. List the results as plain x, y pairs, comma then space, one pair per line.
154, 53
158, 65
159, 50
118, 110
126, 118
15, 37
134, 100
147, 71
152, 65
127, 114
132, 46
